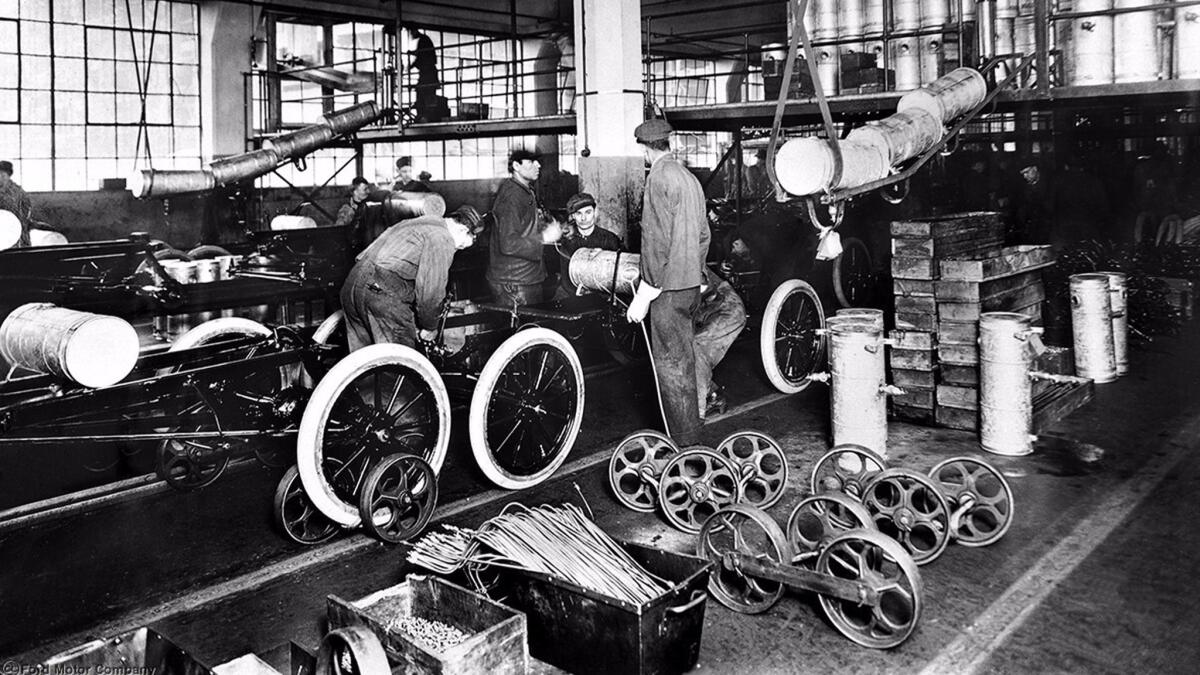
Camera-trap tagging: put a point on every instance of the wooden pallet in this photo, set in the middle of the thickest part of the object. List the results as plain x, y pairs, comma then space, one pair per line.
1011, 260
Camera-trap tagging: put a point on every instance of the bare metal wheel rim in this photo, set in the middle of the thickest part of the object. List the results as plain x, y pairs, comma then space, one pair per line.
762, 466
853, 276
398, 498
527, 408
695, 484
790, 343
846, 468
818, 520
744, 529
353, 650
378, 401
295, 514
636, 465
910, 508
884, 565
966, 480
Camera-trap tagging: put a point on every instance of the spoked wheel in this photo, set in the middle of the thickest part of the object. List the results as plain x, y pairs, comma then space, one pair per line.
909, 508
743, 529
636, 466
398, 498
526, 408
847, 468
296, 515
378, 401
790, 343
762, 468
884, 566
187, 464
981, 494
853, 275
817, 520
353, 650
695, 484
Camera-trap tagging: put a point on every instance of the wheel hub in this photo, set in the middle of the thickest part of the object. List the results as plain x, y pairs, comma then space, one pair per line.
700, 492
905, 518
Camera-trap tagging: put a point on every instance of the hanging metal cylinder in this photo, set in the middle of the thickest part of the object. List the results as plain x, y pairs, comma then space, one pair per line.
1092, 41
857, 397
906, 15
948, 97
154, 182
244, 166
907, 62
301, 142
1005, 388
352, 118
1091, 322
1118, 300
826, 14
1135, 57
868, 315
807, 165
402, 205
1187, 42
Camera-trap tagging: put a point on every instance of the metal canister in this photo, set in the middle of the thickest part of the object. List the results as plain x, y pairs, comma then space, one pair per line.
935, 13
1118, 299
907, 62
827, 69
154, 182
352, 118
1092, 42
1006, 9
966, 8
932, 57
948, 97
1005, 389
850, 19
905, 134
906, 15
869, 315
827, 19
301, 142
807, 165
1135, 49
873, 19
246, 165
857, 403
1091, 322
1187, 42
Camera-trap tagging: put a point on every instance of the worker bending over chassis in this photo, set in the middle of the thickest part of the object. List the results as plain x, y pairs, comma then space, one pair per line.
399, 282
675, 240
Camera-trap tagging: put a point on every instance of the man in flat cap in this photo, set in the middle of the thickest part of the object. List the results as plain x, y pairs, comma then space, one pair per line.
516, 270
399, 282
405, 180
585, 232
13, 198
675, 241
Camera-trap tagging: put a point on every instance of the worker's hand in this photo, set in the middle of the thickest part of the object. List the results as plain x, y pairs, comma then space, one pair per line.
552, 232
427, 335
640, 305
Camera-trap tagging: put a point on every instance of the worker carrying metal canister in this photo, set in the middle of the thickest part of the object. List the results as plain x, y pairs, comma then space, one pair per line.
583, 231
675, 240
399, 282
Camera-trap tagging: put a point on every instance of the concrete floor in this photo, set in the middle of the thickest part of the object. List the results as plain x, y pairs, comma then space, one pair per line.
1096, 573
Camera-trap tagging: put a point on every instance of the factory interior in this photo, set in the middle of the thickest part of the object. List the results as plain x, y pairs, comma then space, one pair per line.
599, 336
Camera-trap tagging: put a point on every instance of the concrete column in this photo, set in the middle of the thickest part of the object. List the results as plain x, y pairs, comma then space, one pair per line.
609, 105
226, 34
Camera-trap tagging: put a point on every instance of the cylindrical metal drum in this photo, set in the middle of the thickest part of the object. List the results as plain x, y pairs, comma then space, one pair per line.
841, 320
246, 165
906, 15
827, 19
226, 263
299, 143
45, 238
857, 402
1005, 390
932, 57
1025, 42
806, 166
289, 222
183, 271
94, 350
935, 13
985, 34
966, 9
827, 69
1007, 9
1005, 41
870, 315
404, 205
850, 19
1187, 42
208, 271
595, 269
904, 135
949, 97
1118, 296
352, 118
154, 182
1135, 48
1092, 45
873, 19
907, 63
1091, 322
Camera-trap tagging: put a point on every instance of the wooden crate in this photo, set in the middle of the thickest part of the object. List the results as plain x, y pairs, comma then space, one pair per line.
915, 397
966, 244
497, 642
953, 396
904, 267
920, 379
1060, 399
916, 304
1009, 301
961, 355
1011, 260
984, 291
957, 418
949, 225
909, 414
911, 359
915, 321
912, 339
912, 287
958, 332
963, 376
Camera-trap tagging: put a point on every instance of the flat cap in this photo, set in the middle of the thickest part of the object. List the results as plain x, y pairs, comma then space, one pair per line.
652, 130
406, 160
467, 215
6, 166
579, 201
521, 155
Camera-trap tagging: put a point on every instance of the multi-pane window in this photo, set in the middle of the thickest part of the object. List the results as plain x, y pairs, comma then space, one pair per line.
90, 88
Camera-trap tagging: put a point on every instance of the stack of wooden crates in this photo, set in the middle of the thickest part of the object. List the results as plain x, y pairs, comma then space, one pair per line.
946, 271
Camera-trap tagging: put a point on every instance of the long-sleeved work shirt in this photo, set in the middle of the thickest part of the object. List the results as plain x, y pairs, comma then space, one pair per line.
675, 232
515, 243
420, 249
14, 198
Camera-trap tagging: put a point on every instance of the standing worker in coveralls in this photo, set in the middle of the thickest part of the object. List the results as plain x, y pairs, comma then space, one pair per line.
675, 241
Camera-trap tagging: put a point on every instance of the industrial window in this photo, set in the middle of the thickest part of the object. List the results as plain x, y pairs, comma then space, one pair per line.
90, 88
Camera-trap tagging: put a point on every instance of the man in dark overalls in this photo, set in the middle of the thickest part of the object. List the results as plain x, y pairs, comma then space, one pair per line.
675, 241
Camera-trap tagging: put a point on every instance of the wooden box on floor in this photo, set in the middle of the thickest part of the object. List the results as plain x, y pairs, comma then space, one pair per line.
497, 634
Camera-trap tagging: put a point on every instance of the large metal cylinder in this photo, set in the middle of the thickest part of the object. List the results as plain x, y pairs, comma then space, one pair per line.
1187, 42
932, 56
935, 13
1135, 49
1091, 322
1092, 45
985, 35
873, 19
404, 205
153, 182
903, 135
301, 142
352, 118
826, 13
595, 269
966, 8
244, 166
806, 166
906, 15
827, 69
907, 62
1118, 300
949, 97
868, 315
857, 402
850, 19
1005, 390
1006, 9
94, 350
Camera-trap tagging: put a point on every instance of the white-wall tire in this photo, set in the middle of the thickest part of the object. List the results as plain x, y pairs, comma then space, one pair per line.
770, 334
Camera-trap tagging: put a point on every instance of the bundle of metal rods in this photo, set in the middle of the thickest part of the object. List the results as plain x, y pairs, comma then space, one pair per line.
558, 541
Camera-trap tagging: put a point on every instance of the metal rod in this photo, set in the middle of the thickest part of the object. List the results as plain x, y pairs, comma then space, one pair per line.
802, 577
